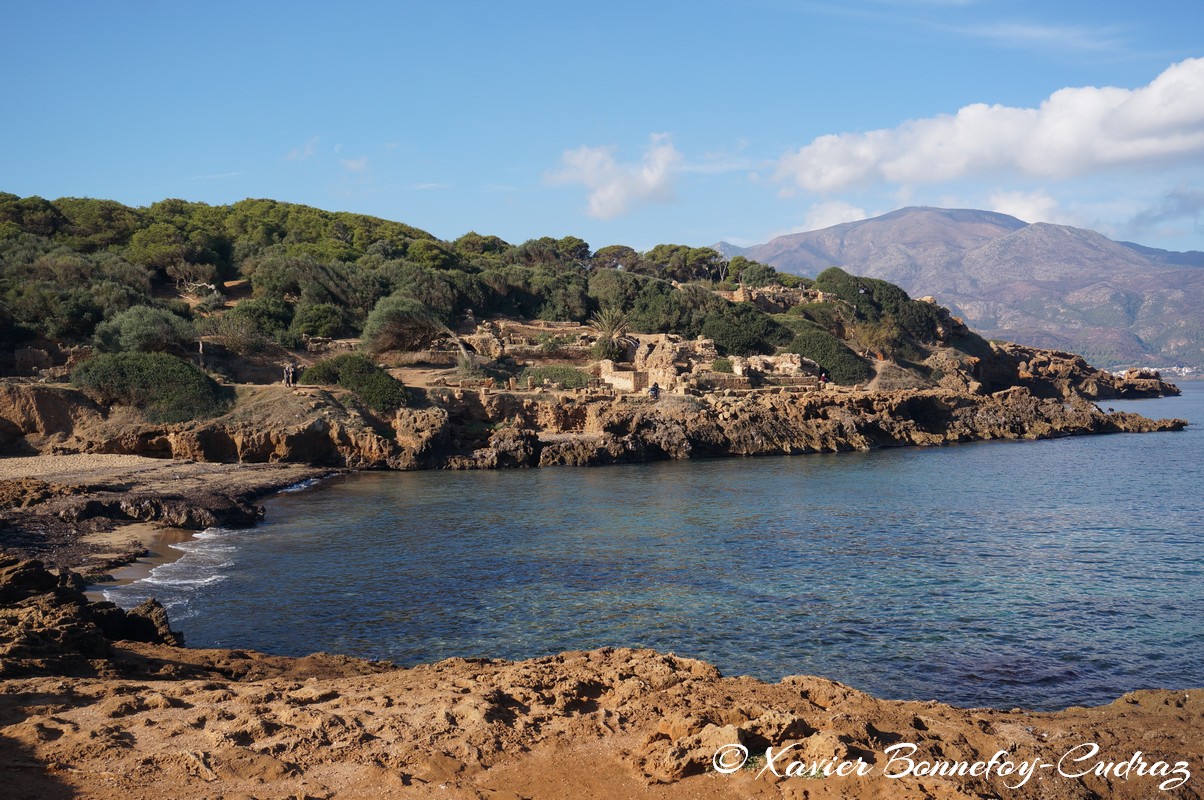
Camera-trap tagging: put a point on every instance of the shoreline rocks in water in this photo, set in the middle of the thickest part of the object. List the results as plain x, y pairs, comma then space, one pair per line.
211, 472
468, 429
55, 508
87, 709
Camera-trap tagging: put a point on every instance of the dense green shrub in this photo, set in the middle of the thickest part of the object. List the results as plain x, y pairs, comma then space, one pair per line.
163, 387
734, 339
270, 316
568, 377
607, 349
238, 334
374, 387
320, 319
842, 364
144, 328
875, 299
400, 323
742, 330
722, 365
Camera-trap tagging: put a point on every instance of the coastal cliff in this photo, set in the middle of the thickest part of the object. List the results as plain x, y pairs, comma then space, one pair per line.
210, 472
1020, 394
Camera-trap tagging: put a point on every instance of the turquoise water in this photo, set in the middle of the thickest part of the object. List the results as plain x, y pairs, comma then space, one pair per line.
1039, 574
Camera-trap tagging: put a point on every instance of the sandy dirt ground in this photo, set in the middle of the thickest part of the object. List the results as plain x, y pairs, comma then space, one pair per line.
80, 468
601, 724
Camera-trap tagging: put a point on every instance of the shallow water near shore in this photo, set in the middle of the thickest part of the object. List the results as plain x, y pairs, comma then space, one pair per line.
1035, 574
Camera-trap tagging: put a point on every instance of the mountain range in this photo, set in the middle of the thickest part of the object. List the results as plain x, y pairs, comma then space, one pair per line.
1055, 286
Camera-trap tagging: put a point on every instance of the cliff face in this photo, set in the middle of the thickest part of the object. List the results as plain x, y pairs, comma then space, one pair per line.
780, 423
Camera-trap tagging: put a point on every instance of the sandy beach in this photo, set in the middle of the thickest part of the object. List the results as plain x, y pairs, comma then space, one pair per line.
156, 543
83, 468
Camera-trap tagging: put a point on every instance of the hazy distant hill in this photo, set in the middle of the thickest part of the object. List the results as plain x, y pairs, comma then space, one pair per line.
1039, 284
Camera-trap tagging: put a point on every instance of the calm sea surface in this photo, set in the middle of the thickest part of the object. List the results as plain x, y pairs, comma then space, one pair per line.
1039, 574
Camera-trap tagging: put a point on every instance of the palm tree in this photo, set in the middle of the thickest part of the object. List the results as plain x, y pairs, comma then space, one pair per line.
612, 326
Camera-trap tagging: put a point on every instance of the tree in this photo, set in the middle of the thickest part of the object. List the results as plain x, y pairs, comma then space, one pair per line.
320, 319
431, 254
476, 244
239, 334
270, 316
751, 273
842, 364
374, 387
682, 263
400, 323
617, 256
574, 249
611, 326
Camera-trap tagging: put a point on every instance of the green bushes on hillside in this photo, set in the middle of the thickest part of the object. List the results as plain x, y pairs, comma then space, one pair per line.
371, 385
568, 377
400, 323
163, 387
145, 329
72, 265
842, 364
742, 330
876, 299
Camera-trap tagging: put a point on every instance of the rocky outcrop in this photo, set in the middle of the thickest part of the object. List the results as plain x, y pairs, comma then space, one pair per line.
605, 431
606, 724
465, 429
196, 511
34, 416
1053, 373
48, 626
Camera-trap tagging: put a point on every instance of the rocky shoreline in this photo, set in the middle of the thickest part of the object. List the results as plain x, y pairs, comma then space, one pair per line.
100, 703
58, 508
200, 474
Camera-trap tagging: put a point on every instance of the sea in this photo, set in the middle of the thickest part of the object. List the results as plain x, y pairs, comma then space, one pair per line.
1003, 574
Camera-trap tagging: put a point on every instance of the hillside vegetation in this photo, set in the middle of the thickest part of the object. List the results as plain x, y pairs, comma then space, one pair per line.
264, 274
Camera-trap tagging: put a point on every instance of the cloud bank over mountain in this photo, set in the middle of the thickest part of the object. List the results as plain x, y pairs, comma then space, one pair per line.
1076, 131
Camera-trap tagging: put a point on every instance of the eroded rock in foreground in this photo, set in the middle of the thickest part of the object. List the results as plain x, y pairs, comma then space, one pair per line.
178, 723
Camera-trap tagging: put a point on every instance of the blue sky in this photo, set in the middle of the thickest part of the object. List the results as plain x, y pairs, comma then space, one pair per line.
619, 122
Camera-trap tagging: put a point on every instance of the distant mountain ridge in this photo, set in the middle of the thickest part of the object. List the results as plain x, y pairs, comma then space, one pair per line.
1044, 285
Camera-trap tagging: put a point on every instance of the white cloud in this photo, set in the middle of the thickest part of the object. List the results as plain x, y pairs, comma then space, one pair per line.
215, 176
304, 151
1036, 206
614, 187
829, 213
355, 164
1061, 37
1075, 131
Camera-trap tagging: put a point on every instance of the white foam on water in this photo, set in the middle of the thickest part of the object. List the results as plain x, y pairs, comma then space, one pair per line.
301, 486
205, 561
